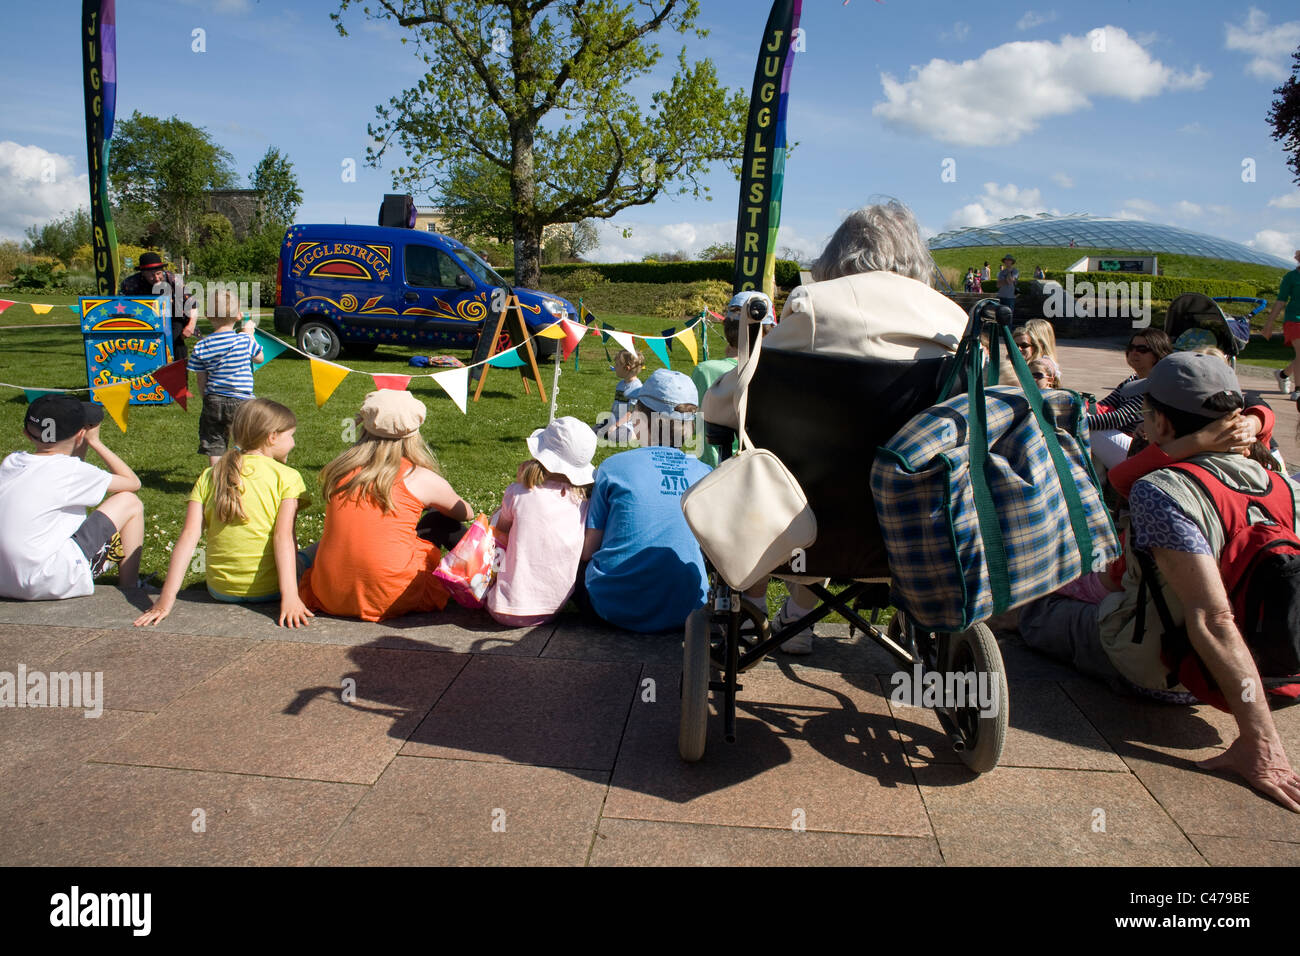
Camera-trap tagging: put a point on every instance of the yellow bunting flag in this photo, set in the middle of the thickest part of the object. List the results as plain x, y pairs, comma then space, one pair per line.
455, 382
41, 309
687, 338
555, 331
115, 398
325, 377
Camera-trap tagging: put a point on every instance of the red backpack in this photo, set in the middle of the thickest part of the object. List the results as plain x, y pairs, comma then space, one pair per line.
1260, 567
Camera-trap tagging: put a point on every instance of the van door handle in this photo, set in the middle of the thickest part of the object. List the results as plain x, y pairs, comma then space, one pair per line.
412, 297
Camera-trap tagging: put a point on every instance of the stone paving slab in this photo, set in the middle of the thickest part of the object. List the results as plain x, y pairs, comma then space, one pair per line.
39, 646
540, 712
429, 812
819, 749
109, 815
279, 711
1223, 851
639, 843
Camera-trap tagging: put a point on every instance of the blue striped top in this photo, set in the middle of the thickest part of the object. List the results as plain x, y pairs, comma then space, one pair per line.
228, 359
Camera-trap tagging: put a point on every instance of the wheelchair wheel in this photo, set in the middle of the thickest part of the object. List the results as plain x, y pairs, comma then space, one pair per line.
693, 731
976, 652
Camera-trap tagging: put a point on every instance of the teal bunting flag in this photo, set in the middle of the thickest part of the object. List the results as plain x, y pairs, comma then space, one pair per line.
660, 349
271, 348
510, 359
32, 394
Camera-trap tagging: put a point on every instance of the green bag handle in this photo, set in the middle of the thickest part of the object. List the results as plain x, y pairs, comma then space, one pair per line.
995, 552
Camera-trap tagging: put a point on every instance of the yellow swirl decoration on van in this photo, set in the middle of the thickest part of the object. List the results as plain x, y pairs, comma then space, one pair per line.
345, 303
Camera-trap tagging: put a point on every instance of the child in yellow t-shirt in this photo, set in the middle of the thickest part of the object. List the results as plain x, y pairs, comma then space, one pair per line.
248, 502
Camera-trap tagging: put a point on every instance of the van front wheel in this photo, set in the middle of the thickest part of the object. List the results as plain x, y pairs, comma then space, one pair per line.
319, 340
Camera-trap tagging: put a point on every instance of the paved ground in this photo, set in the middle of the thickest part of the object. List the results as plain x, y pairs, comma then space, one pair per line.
445, 739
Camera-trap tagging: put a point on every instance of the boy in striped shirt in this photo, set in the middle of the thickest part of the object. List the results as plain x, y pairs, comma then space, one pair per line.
223, 368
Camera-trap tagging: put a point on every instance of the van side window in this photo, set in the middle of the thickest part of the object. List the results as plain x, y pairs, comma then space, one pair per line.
430, 268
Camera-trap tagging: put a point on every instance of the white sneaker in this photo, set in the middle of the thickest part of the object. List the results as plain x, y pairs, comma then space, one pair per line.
801, 643
1284, 383
1295, 396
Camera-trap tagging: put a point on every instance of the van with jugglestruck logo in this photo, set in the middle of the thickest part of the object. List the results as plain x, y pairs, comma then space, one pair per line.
358, 287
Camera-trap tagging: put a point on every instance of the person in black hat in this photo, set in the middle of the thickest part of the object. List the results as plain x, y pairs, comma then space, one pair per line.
153, 279
49, 547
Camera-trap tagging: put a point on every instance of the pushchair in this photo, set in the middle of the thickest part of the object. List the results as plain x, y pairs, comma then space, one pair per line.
824, 416
1192, 310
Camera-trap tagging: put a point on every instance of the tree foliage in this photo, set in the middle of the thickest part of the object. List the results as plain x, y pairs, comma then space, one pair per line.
525, 116
162, 168
718, 250
1284, 116
275, 179
60, 237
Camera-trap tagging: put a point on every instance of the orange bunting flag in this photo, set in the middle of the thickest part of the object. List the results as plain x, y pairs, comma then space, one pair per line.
175, 382
552, 331
115, 398
455, 382
397, 383
687, 338
41, 309
572, 336
325, 377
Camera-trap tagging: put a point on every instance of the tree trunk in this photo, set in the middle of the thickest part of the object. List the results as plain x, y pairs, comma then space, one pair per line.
523, 189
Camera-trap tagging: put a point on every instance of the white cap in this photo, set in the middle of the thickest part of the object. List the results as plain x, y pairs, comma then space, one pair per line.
565, 447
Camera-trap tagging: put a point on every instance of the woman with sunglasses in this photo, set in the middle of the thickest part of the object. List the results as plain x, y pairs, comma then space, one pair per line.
1117, 415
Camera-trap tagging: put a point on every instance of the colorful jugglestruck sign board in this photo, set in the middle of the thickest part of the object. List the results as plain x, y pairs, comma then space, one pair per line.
126, 339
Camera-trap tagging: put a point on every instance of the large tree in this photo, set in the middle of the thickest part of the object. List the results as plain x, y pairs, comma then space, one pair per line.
162, 168
532, 98
1285, 116
275, 179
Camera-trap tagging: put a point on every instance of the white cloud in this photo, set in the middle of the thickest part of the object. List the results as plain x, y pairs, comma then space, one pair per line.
690, 238
1192, 127
1063, 180
36, 186
1288, 201
959, 32
1010, 89
1269, 46
1281, 244
1035, 19
1137, 209
1185, 208
998, 202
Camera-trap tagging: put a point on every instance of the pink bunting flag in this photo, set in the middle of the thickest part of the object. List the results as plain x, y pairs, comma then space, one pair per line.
397, 383
5, 303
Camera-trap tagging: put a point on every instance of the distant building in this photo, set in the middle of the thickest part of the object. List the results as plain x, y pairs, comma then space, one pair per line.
430, 219
240, 206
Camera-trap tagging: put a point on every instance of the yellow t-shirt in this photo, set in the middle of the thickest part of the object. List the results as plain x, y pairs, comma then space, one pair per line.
241, 556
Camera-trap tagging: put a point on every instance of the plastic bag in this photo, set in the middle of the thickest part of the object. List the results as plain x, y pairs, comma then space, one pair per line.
470, 568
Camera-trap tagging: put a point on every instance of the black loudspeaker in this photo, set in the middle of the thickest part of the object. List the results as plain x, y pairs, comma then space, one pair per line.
397, 209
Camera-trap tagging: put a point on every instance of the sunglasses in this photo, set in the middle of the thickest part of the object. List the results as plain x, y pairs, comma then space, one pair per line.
1024, 346
1040, 375
1140, 349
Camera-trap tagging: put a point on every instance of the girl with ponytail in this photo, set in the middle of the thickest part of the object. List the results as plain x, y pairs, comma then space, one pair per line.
248, 502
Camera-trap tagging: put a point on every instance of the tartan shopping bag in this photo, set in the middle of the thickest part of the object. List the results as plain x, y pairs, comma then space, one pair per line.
988, 500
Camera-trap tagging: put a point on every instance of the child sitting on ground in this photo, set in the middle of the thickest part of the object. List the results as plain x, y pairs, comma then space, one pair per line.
248, 502
49, 547
370, 563
627, 366
222, 364
1045, 372
544, 513
1043, 336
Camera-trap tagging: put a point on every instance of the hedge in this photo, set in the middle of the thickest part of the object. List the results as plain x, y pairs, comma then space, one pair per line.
1162, 287
787, 271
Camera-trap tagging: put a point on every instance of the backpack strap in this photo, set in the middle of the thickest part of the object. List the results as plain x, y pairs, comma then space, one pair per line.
1174, 645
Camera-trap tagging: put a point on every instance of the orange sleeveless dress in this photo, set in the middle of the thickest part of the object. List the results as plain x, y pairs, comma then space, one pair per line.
370, 565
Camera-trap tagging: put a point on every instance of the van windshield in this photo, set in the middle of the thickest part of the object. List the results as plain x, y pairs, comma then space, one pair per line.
480, 268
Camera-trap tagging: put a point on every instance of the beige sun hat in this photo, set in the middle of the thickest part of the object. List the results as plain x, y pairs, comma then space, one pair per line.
389, 413
565, 447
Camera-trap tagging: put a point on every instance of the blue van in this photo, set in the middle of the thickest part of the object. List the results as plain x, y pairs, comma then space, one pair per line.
358, 287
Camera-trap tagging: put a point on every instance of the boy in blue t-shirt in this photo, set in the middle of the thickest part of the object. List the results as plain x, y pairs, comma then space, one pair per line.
222, 364
644, 569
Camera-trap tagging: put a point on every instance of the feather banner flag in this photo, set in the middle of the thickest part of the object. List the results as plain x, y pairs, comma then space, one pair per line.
99, 75
762, 176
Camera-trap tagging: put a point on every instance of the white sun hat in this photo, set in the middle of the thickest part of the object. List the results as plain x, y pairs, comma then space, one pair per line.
565, 447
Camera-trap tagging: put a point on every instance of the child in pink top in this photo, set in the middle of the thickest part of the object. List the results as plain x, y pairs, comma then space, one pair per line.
540, 525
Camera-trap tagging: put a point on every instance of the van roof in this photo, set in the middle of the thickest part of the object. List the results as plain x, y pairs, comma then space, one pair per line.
376, 234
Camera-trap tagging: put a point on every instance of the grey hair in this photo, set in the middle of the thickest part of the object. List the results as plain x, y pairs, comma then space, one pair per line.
880, 238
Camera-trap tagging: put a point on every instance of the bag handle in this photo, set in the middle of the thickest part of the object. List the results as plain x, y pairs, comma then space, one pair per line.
747, 365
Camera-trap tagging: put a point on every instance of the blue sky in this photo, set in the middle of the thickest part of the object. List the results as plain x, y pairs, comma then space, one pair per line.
1155, 125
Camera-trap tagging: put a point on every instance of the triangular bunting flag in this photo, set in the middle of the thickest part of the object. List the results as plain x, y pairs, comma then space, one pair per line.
716, 317
325, 377
604, 331
660, 349
687, 338
32, 394
40, 309
669, 335
552, 331
271, 347
455, 382
75, 308
572, 336
115, 398
510, 359
624, 339
5, 303
397, 383
174, 378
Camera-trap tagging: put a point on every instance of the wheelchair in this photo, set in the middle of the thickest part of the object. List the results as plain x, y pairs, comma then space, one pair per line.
824, 416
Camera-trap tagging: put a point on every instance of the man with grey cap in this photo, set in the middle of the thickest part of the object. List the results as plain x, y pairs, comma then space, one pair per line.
644, 570
1176, 522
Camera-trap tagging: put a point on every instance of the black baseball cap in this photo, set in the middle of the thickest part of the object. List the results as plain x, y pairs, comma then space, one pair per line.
66, 414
